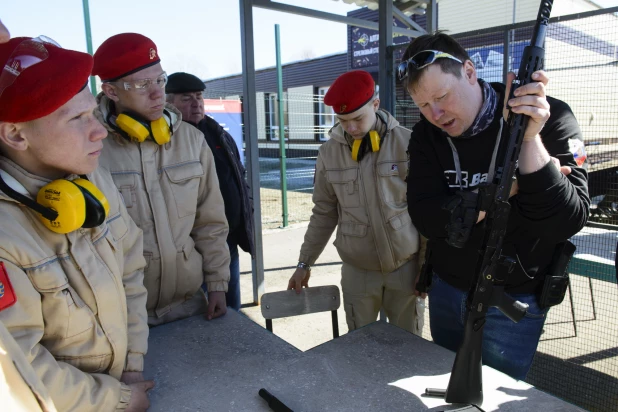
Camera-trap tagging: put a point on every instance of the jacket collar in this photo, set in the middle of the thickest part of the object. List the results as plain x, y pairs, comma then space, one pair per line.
30, 184
338, 134
104, 107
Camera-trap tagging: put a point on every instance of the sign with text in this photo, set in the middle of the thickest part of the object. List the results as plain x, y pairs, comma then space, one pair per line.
365, 45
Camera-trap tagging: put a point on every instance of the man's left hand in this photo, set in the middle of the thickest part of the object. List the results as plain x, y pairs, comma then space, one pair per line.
529, 100
131, 377
216, 305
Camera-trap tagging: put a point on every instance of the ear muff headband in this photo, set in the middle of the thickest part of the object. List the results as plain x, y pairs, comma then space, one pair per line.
356, 144
63, 205
13, 189
374, 139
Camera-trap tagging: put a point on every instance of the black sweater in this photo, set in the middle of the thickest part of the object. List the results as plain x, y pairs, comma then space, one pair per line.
548, 209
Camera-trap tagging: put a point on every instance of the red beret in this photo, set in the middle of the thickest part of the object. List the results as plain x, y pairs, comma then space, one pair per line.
124, 54
350, 92
41, 88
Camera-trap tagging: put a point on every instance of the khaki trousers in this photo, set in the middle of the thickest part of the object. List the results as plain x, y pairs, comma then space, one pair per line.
366, 292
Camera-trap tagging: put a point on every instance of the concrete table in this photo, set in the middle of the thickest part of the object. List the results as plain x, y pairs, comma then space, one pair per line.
220, 366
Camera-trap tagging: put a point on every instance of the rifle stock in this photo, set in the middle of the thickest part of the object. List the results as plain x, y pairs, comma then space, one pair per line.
465, 384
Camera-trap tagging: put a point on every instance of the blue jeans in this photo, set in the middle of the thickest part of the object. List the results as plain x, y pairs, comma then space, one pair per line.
507, 346
232, 296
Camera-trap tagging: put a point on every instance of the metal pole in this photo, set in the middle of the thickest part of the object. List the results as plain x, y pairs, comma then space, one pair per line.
385, 64
506, 56
509, 42
282, 159
432, 16
385, 67
93, 83
251, 142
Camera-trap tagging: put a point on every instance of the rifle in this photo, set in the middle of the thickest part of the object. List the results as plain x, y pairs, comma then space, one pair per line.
273, 402
465, 384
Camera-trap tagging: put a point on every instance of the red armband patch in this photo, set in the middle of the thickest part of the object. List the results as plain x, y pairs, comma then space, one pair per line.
7, 295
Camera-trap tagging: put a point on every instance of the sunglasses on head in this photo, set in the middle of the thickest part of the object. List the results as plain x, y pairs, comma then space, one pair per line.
26, 54
421, 60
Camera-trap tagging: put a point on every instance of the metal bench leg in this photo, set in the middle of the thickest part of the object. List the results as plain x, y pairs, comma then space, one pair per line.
572, 309
269, 325
594, 309
335, 324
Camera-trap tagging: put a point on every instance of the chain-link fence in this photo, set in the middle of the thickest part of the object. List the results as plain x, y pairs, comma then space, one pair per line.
306, 122
577, 358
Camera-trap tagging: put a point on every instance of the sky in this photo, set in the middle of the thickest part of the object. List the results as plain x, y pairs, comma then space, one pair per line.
197, 36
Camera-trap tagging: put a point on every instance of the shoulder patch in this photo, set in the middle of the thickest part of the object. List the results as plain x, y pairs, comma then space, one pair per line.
7, 295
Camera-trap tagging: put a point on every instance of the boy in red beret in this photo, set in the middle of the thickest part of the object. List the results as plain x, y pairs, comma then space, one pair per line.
166, 175
21, 390
71, 262
360, 189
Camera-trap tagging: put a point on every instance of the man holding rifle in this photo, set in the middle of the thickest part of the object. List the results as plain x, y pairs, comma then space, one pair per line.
453, 149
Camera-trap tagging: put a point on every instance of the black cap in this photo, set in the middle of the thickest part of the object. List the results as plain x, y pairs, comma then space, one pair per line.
182, 82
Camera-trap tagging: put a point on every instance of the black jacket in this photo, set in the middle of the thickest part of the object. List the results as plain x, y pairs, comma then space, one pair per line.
234, 187
548, 209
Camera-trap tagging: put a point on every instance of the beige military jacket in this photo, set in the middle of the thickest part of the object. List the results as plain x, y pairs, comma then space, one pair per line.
80, 314
21, 390
365, 200
172, 193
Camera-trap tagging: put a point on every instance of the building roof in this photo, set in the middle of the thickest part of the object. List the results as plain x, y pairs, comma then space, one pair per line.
407, 6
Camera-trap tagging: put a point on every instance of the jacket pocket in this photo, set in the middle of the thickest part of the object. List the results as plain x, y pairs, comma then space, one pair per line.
125, 182
403, 237
401, 220
345, 185
80, 315
353, 229
65, 314
391, 182
189, 263
185, 181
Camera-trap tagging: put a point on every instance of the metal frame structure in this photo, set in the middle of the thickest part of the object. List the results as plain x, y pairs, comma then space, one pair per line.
387, 10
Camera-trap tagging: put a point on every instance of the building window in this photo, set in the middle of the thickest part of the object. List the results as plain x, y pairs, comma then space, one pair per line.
272, 116
326, 116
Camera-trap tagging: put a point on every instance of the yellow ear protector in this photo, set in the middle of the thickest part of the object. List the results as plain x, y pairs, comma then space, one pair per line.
359, 147
139, 129
63, 205
374, 141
